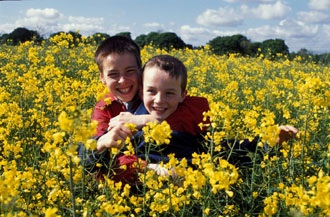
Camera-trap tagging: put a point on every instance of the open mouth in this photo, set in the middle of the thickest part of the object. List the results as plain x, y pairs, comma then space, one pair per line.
159, 109
124, 90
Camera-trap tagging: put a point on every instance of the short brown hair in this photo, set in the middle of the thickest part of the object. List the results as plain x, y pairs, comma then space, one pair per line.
118, 45
171, 65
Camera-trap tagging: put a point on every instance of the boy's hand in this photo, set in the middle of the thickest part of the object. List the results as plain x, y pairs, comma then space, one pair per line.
126, 117
120, 120
111, 138
286, 133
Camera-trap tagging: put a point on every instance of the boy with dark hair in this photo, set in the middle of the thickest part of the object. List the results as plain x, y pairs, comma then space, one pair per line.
164, 81
119, 63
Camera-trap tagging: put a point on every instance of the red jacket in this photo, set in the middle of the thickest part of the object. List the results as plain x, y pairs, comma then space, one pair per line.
103, 112
189, 115
186, 118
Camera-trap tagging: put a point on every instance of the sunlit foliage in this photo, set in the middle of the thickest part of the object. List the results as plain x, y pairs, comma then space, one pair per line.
46, 99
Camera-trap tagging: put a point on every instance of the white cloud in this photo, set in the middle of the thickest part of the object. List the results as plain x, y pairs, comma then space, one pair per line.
312, 17
47, 13
7, 28
172, 24
221, 17
270, 11
49, 20
154, 25
296, 34
296, 29
194, 35
321, 43
226, 33
115, 28
85, 20
84, 29
85, 25
193, 30
40, 18
285, 29
326, 31
234, 17
318, 43
319, 4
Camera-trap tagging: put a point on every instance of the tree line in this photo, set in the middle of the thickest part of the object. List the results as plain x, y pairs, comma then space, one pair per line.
221, 45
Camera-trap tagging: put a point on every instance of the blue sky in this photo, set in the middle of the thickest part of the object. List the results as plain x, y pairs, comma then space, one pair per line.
301, 23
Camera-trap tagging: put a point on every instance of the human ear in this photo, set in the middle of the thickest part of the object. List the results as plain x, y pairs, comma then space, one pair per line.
102, 78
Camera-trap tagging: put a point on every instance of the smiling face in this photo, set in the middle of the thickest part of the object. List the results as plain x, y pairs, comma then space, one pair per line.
161, 93
120, 74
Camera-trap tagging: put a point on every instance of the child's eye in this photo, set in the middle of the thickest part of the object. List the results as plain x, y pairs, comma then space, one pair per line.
113, 75
170, 93
151, 91
131, 71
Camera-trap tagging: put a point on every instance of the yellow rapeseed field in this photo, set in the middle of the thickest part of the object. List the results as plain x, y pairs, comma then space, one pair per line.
46, 99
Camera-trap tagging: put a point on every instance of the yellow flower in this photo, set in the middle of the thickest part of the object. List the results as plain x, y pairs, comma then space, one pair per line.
207, 211
66, 124
51, 212
157, 133
90, 144
102, 93
58, 137
132, 127
230, 193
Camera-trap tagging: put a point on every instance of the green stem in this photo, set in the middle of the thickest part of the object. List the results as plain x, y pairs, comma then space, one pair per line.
83, 173
303, 145
146, 149
252, 177
71, 190
232, 148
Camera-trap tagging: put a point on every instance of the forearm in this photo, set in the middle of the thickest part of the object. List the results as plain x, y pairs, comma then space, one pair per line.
141, 120
113, 138
105, 142
125, 117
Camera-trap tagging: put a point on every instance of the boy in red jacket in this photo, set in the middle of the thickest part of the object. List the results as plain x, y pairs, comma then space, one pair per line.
119, 63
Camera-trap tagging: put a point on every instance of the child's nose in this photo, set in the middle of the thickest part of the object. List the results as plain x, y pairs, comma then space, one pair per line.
158, 98
122, 79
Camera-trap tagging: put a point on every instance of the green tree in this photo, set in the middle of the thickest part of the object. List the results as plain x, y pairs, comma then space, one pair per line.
303, 52
169, 40
141, 40
125, 34
97, 38
3, 38
230, 44
151, 38
255, 46
166, 40
21, 35
271, 47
